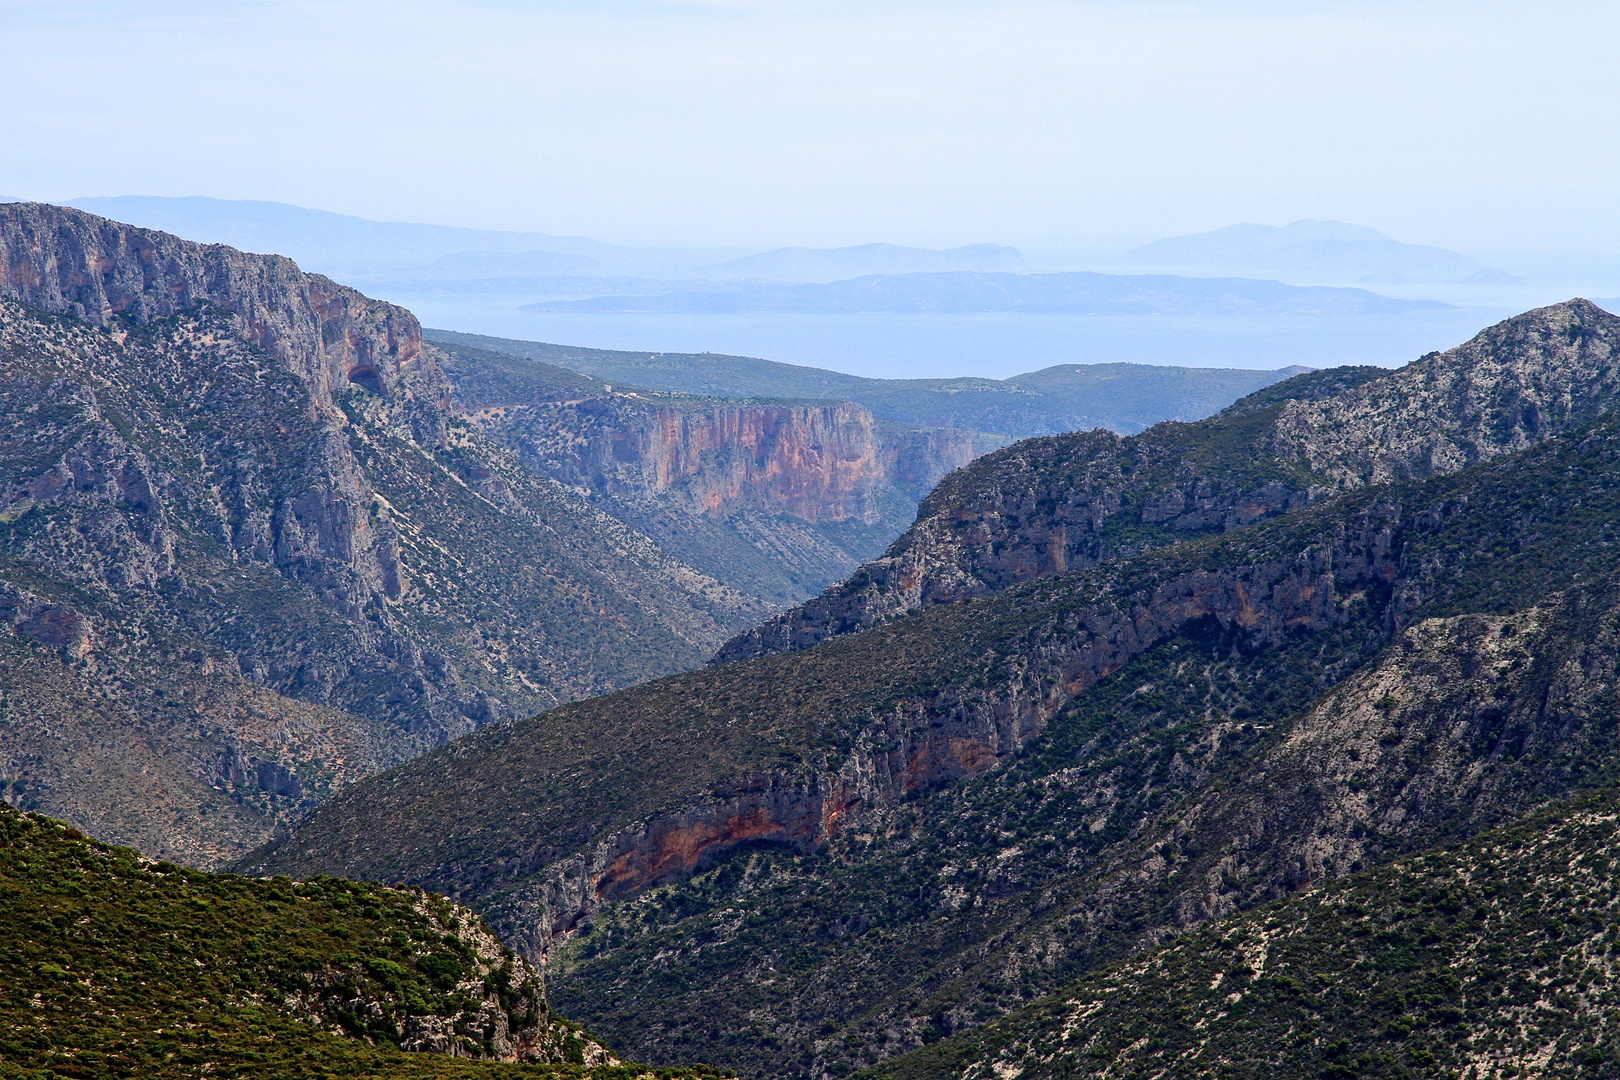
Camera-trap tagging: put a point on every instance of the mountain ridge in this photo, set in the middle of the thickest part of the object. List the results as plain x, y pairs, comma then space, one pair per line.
1065, 397
1054, 504
814, 263
1309, 250
1059, 293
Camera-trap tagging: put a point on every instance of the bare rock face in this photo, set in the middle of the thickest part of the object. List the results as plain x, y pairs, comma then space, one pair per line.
776, 498
69, 262
330, 337
1047, 506
820, 463
816, 462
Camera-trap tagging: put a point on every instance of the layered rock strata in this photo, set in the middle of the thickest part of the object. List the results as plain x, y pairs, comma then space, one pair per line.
777, 498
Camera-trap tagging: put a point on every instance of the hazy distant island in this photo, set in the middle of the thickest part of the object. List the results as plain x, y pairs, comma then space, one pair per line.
1075, 293
1318, 251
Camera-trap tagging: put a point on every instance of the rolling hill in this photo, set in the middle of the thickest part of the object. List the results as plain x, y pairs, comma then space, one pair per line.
1127, 398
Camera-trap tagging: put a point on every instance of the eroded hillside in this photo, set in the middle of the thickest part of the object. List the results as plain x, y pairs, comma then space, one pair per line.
248, 557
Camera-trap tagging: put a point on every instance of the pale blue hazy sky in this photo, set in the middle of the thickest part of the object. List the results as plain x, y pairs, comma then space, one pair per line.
1483, 126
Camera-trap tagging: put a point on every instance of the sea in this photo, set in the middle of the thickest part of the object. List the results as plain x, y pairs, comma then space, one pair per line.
992, 345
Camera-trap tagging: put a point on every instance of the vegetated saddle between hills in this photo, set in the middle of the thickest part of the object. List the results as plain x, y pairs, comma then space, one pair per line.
1434, 543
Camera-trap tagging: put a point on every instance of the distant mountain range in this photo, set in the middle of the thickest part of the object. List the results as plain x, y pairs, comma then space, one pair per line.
1312, 251
322, 241
407, 257
831, 264
1080, 293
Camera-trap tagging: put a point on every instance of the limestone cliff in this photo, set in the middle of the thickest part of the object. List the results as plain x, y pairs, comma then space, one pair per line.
820, 462
777, 498
1050, 505
331, 337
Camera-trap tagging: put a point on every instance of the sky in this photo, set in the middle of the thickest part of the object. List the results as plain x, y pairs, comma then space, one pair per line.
1482, 126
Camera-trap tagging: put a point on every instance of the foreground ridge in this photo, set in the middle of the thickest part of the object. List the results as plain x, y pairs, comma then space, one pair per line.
112, 965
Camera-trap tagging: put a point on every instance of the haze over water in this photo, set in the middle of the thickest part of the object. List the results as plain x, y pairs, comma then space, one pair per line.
988, 345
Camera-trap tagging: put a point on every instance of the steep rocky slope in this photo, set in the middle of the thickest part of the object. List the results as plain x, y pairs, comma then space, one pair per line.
247, 554
1072, 501
1494, 958
1134, 748
779, 498
114, 966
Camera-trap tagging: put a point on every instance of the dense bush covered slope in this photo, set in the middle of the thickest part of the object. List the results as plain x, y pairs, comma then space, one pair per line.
115, 966
905, 832
1493, 958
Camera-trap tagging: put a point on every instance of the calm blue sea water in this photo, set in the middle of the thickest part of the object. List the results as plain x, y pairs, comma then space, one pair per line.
995, 345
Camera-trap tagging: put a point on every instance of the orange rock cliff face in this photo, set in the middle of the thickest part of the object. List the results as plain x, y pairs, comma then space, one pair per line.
821, 462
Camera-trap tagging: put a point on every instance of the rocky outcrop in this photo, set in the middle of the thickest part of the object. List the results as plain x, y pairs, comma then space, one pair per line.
1046, 506
823, 462
68, 262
